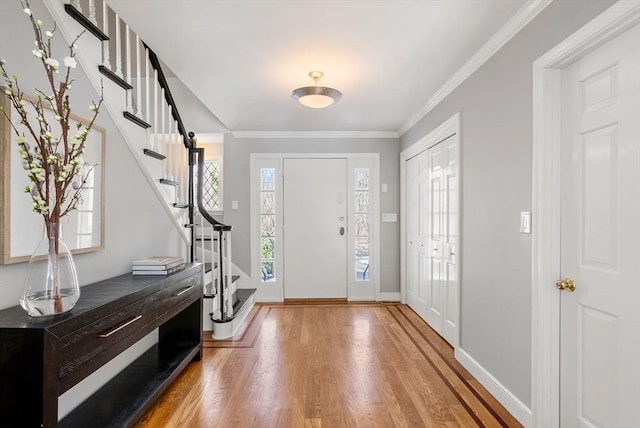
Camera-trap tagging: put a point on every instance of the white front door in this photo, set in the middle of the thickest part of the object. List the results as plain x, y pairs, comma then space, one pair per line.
600, 237
315, 222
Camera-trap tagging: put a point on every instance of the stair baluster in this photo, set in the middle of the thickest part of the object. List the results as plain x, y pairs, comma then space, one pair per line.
106, 60
118, 47
228, 280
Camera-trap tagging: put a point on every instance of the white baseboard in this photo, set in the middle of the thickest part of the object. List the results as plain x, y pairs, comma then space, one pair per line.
229, 329
268, 300
389, 297
516, 407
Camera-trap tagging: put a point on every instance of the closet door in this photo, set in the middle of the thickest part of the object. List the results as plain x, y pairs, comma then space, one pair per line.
441, 284
417, 256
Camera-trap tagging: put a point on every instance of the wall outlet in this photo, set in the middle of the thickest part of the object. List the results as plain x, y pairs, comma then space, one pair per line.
525, 222
389, 217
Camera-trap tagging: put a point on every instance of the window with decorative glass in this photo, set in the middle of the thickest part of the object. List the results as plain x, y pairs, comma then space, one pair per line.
362, 187
212, 184
267, 224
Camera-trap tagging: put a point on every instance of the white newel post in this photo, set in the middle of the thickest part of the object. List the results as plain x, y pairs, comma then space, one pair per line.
228, 275
185, 172
215, 268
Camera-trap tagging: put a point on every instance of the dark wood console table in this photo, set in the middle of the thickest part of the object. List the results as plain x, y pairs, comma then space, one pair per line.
41, 358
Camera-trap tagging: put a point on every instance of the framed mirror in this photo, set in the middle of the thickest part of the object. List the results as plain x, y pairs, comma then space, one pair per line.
20, 227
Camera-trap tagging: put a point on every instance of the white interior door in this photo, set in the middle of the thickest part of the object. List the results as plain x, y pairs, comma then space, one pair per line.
600, 237
315, 222
417, 202
442, 229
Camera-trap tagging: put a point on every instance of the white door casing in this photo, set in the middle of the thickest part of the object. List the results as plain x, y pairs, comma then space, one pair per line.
600, 237
315, 232
547, 197
430, 202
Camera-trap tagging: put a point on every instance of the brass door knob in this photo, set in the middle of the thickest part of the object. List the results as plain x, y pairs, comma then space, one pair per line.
566, 284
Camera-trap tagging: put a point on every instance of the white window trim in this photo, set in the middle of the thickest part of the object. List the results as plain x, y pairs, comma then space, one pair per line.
356, 290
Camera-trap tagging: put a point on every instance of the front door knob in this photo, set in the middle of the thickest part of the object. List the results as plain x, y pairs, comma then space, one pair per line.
342, 231
566, 284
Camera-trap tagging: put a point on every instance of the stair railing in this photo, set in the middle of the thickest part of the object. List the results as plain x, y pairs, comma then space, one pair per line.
223, 310
149, 103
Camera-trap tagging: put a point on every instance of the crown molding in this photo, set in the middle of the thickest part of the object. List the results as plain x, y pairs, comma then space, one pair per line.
517, 22
315, 134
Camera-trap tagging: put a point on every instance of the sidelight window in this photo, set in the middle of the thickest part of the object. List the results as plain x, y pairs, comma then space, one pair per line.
362, 214
267, 224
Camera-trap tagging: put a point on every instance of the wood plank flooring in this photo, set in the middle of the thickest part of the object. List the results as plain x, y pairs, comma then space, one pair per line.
328, 365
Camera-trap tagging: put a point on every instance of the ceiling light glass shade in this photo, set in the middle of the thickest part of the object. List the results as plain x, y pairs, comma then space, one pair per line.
316, 96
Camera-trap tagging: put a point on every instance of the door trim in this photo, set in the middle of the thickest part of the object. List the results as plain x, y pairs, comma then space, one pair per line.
450, 127
275, 292
547, 137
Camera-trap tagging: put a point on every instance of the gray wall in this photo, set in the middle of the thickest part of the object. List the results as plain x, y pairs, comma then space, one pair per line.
496, 130
236, 187
136, 225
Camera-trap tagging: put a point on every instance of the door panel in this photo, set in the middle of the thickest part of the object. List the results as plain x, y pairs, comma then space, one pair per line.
315, 210
432, 232
417, 226
450, 238
600, 237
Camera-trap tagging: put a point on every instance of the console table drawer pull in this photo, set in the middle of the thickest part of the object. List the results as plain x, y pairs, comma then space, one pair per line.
181, 292
120, 327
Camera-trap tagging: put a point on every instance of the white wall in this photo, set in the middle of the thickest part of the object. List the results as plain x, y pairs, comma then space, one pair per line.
136, 224
236, 187
496, 130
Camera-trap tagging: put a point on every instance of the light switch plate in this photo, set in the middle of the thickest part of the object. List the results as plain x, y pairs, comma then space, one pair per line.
384, 188
234, 205
389, 217
525, 222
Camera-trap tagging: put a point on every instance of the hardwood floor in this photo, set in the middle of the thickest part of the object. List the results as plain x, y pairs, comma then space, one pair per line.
328, 365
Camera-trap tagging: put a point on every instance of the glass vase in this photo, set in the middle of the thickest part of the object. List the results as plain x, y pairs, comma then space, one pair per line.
51, 286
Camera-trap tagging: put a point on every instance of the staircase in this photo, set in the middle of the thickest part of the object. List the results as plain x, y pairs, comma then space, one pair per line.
138, 98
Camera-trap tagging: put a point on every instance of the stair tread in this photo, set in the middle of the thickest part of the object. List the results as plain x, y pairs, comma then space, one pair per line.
114, 77
135, 119
168, 182
86, 23
153, 154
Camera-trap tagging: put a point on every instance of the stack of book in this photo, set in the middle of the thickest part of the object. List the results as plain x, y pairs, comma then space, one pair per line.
157, 265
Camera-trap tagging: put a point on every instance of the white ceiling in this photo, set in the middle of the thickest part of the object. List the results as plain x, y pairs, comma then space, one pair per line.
242, 58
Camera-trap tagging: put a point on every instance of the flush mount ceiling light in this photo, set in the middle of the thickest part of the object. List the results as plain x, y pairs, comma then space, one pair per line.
316, 96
